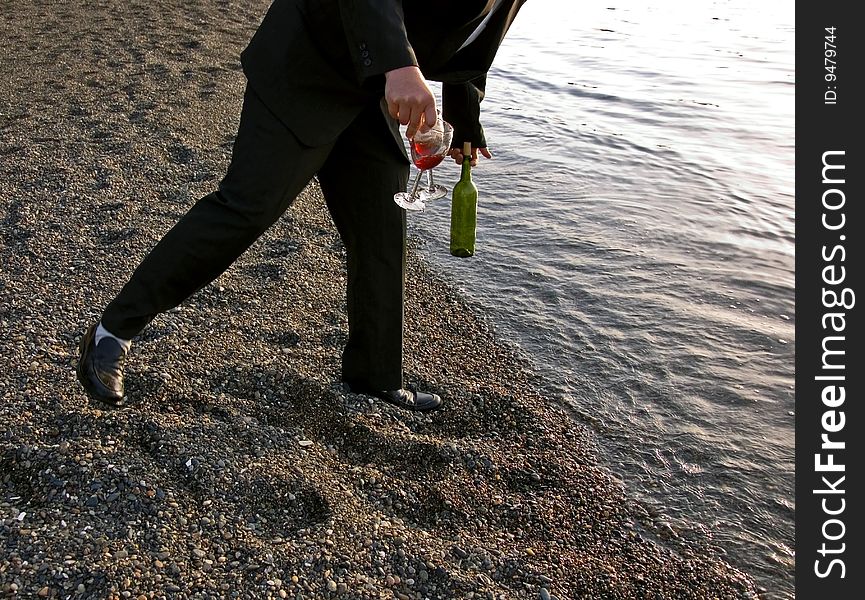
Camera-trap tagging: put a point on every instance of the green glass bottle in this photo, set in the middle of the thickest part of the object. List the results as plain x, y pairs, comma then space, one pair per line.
464, 209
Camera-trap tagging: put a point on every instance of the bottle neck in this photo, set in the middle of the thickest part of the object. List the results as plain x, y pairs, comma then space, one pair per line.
466, 168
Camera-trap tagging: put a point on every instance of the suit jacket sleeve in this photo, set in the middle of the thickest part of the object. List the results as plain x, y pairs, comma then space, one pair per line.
377, 38
462, 109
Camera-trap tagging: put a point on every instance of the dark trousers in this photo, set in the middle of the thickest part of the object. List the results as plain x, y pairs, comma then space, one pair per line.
359, 174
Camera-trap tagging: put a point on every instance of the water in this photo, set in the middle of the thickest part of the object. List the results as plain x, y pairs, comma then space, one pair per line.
636, 239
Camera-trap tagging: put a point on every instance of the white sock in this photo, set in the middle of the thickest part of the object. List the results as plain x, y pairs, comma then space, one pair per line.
101, 332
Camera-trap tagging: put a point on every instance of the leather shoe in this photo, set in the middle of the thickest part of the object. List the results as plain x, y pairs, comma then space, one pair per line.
410, 399
100, 368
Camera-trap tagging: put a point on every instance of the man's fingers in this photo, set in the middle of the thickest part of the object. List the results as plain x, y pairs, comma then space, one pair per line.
413, 123
430, 115
409, 99
414, 115
427, 122
403, 113
457, 155
393, 108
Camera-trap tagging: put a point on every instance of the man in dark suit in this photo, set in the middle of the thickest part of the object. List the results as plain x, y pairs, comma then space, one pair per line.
329, 83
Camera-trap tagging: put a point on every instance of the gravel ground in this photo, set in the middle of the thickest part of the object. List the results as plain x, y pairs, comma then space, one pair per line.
241, 467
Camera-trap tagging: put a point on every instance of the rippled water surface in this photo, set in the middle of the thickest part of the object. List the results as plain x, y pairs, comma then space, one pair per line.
635, 238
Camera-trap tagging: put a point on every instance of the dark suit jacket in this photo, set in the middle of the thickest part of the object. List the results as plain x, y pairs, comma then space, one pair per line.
317, 63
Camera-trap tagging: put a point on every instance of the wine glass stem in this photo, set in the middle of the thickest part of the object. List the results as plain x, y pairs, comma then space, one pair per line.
430, 182
416, 183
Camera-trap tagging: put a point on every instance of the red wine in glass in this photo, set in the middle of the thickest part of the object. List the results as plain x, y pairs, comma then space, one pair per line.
428, 149
425, 156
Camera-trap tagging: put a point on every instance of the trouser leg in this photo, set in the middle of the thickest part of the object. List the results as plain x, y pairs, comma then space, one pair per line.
269, 167
361, 175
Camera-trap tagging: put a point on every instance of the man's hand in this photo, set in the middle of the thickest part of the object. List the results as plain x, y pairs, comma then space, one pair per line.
409, 99
457, 155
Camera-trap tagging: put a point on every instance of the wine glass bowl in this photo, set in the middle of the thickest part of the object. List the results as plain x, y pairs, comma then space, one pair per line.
428, 149
425, 155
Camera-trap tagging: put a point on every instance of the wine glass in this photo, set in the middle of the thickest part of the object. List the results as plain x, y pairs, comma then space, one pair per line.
428, 149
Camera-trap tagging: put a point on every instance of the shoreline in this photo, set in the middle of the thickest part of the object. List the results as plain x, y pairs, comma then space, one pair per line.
241, 468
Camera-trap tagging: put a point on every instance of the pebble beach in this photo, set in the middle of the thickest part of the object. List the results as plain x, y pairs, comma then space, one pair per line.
240, 467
